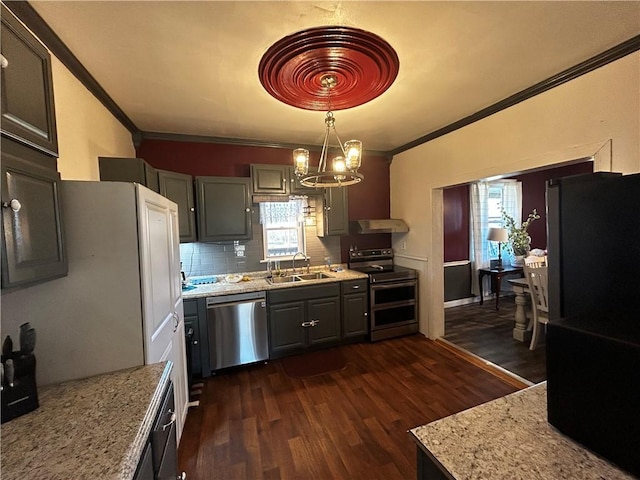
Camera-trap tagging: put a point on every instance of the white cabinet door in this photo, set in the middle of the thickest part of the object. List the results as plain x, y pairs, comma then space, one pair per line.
160, 277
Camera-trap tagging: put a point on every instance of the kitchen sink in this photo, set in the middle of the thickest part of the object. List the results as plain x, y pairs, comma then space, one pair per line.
313, 276
287, 279
298, 278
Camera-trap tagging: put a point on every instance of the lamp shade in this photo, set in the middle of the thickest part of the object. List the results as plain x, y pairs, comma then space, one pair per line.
498, 235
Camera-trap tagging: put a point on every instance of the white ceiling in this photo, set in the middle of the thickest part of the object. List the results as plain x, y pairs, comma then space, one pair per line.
191, 67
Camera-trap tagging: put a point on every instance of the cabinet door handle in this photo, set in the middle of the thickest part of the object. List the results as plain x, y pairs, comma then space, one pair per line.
3, 61
172, 420
307, 324
182, 476
314, 322
356, 287
176, 318
14, 204
192, 210
247, 209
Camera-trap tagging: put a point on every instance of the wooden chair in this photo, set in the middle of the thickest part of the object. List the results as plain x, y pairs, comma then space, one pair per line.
536, 275
534, 261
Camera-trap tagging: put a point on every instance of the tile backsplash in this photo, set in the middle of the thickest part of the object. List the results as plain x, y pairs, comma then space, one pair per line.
245, 256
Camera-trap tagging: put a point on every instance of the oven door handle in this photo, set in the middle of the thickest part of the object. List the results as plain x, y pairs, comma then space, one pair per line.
384, 286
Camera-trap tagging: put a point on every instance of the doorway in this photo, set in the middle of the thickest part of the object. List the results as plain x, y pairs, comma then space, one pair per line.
481, 329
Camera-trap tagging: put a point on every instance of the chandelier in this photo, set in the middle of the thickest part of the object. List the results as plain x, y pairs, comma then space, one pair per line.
303, 70
344, 168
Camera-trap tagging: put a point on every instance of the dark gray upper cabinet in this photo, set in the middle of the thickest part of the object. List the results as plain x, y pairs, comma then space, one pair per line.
28, 113
224, 208
270, 179
278, 180
32, 234
178, 187
334, 218
117, 169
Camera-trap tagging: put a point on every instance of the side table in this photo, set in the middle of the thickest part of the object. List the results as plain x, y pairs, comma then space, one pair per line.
496, 279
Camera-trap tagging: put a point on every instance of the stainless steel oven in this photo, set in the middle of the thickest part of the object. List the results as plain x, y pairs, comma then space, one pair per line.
393, 293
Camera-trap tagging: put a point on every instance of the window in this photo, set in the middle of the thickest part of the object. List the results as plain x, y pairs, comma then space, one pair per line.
487, 201
282, 228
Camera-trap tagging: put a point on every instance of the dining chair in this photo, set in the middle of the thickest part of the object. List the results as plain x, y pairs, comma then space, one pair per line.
536, 275
535, 261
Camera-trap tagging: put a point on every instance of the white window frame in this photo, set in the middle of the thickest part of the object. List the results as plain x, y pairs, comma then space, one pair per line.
297, 225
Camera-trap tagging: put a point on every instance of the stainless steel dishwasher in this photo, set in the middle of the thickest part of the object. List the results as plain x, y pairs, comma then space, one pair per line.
237, 327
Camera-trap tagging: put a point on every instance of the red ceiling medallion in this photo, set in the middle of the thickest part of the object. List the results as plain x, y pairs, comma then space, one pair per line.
363, 64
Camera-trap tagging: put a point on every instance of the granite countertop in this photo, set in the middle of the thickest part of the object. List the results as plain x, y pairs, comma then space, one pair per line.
93, 428
258, 282
510, 438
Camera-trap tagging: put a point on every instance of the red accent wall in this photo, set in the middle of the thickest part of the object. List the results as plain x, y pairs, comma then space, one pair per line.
369, 199
456, 223
457, 209
534, 196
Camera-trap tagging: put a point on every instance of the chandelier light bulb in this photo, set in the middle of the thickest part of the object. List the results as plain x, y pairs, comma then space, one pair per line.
353, 149
339, 165
301, 161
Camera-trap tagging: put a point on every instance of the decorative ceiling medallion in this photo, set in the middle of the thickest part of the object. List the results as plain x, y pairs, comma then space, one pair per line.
363, 64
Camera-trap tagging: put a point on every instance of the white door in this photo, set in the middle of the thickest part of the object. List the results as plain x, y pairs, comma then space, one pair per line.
179, 349
180, 382
160, 278
162, 292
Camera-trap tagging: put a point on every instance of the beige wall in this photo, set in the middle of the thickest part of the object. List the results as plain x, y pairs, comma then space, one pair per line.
86, 129
597, 112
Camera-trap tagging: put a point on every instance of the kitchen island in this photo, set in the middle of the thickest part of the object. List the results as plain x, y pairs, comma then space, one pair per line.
507, 438
95, 428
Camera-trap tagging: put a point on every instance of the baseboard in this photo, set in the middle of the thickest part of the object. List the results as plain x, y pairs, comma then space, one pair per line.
504, 375
461, 301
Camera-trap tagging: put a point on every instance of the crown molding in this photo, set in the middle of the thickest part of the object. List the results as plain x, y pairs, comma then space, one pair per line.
179, 137
27, 14
604, 58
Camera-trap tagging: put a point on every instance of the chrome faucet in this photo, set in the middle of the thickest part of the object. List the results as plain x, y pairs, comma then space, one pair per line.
293, 261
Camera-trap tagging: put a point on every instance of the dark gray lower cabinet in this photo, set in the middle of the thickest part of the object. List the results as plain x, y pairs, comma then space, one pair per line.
32, 233
303, 317
429, 469
159, 460
145, 466
355, 309
191, 322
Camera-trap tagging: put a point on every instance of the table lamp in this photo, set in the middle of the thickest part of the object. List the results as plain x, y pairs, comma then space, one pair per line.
499, 235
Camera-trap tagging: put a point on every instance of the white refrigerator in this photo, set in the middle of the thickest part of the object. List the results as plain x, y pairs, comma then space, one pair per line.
121, 303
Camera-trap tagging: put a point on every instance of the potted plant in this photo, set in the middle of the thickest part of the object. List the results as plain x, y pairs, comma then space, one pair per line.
519, 239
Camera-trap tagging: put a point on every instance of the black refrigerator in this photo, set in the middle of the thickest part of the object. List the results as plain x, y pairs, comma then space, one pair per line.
593, 335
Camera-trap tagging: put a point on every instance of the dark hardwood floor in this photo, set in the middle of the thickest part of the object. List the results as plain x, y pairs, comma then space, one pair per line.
488, 333
257, 422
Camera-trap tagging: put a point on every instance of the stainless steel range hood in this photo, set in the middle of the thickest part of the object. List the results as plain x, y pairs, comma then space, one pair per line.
387, 225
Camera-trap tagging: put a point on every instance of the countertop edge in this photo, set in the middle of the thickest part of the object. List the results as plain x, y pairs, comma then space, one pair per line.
259, 283
506, 435
132, 457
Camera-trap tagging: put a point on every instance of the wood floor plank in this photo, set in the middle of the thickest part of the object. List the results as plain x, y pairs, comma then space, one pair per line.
488, 333
257, 422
